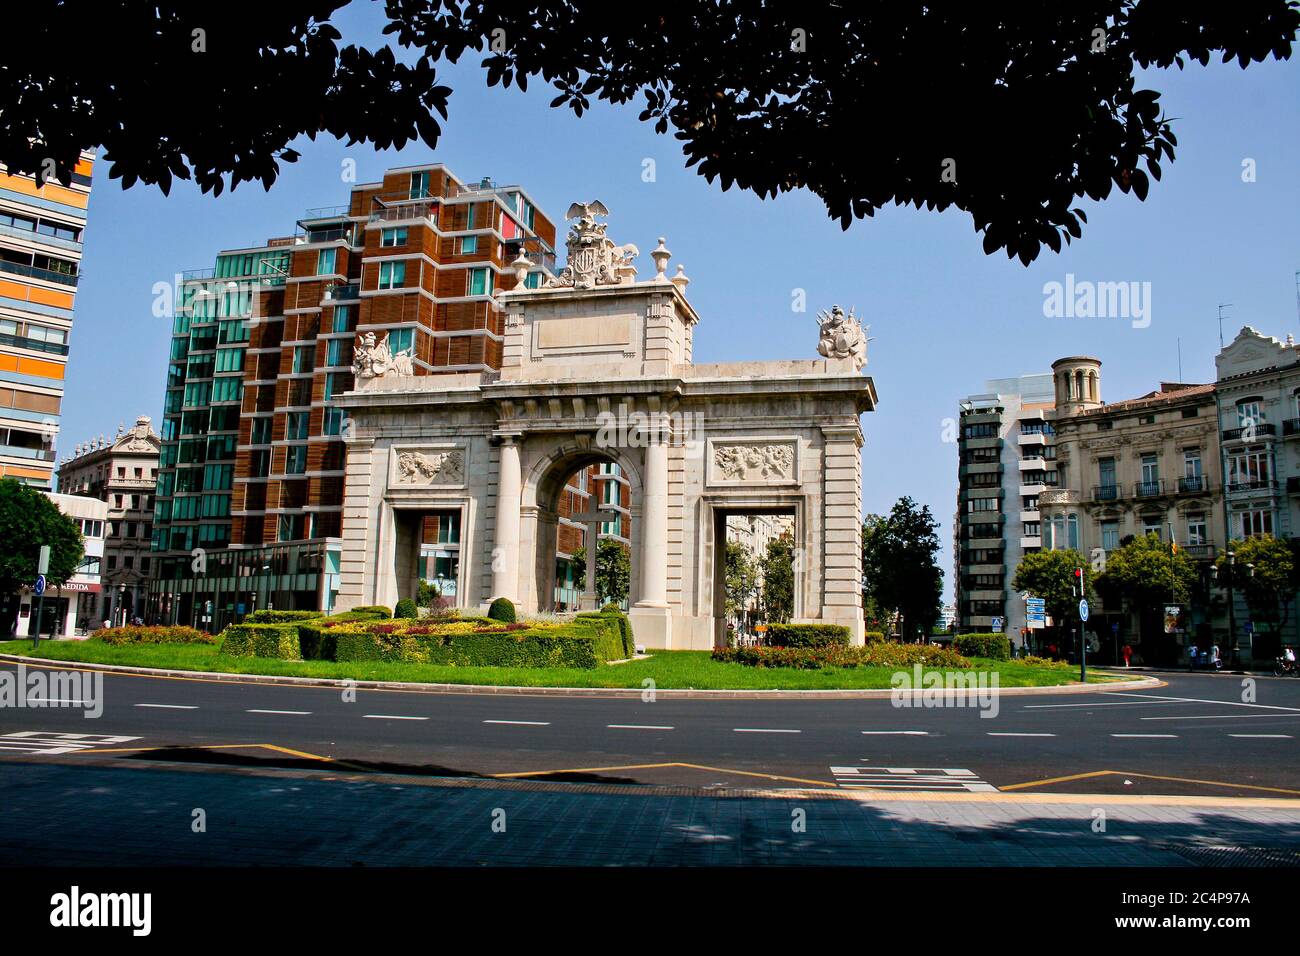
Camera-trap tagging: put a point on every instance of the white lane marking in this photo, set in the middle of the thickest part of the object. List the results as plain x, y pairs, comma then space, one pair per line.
53, 700
763, 730
1224, 717
392, 717
521, 723
1263, 736
910, 778
1011, 734
1200, 700
1163, 736
1118, 703
46, 743
299, 713
638, 727
170, 706
901, 733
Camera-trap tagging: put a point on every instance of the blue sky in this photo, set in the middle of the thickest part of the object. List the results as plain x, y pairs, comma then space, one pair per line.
944, 317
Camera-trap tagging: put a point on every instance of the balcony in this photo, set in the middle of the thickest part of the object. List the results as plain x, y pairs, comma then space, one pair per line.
30, 235
1254, 484
36, 345
341, 292
1193, 485
1198, 552
1291, 427
32, 272
406, 213
1104, 493
1149, 489
1259, 431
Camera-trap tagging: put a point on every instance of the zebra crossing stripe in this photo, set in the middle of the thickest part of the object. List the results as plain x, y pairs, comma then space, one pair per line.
911, 778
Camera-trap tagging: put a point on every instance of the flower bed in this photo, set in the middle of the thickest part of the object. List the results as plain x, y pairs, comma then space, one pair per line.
133, 634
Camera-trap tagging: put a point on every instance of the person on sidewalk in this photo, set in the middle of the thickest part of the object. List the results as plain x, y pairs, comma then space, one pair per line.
1128, 653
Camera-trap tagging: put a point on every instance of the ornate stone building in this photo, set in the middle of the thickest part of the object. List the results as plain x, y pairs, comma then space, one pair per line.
597, 367
1147, 465
122, 473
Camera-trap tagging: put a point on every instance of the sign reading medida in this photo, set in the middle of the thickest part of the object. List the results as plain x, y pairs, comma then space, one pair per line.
921, 688
42, 688
75, 908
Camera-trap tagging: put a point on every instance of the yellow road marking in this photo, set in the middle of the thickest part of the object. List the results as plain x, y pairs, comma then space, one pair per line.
1146, 776
657, 766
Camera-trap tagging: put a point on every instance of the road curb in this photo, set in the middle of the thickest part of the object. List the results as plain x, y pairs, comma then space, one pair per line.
599, 692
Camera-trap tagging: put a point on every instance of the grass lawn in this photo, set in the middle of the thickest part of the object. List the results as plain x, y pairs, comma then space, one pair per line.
668, 669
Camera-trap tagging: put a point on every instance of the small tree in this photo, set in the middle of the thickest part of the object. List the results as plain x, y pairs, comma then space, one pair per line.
1050, 575
1271, 581
778, 580
29, 519
741, 578
898, 566
1149, 576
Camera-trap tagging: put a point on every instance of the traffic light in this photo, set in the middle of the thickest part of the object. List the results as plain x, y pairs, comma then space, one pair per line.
1078, 581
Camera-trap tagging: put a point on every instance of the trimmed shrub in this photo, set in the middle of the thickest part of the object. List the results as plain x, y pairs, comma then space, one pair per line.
837, 655
261, 640
378, 610
611, 612
875, 637
406, 609
807, 635
270, 616
993, 645
502, 609
132, 634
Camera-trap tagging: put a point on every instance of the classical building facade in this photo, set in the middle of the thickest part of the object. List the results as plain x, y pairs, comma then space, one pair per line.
1147, 465
121, 472
1006, 460
597, 368
41, 233
71, 608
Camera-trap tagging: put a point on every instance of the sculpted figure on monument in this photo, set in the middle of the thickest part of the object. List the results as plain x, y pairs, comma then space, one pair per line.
375, 360
594, 259
842, 336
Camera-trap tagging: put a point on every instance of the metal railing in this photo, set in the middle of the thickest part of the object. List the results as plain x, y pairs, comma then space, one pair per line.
1250, 431
1253, 484
1149, 489
1291, 426
1192, 484
32, 272
1105, 493
23, 342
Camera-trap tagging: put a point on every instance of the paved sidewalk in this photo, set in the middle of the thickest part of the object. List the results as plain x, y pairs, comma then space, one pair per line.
70, 814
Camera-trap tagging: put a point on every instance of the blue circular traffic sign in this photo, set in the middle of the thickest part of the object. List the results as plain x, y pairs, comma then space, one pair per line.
1083, 610
39, 586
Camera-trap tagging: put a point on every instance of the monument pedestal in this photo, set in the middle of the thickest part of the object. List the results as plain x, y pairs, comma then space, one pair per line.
652, 625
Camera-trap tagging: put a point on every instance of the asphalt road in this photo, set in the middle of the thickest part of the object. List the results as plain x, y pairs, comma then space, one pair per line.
1196, 736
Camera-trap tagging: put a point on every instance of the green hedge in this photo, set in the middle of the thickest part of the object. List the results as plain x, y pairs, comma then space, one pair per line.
406, 609
270, 616
582, 644
807, 635
133, 634
261, 640
376, 609
614, 613
838, 655
875, 637
993, 645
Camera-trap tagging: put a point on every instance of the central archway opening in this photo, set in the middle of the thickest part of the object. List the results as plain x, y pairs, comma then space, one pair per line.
585, 535
757, 569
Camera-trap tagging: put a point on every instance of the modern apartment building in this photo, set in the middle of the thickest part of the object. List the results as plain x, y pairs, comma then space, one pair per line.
41, 231
1006, 460
121, 472
1147, 465
249, 509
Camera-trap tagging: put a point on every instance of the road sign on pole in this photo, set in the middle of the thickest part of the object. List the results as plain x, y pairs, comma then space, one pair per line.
43, 562
1083, 610
39, 586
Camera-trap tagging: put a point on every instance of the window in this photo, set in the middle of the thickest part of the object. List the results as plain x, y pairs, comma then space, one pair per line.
342, 318
982, 430
1033, 529
400, 340
1249, 469
393, 237
229, 360
468, 245
449, 528
1255, 522
334, 420
338, 353
1191, 463
1248, 413
983, 504
1150, 475
304, 358
1197, 532
325, 262
1109, 535
480, 282
228, 389
392, 275
1146, 419
1153, 524
533, 280
509, 228
261, 434
336, 383
295, 428
295, 462
121, 472
419, 185
1191, 412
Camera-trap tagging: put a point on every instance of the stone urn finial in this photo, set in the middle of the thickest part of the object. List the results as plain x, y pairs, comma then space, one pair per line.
521, 265
661, 255
680, 279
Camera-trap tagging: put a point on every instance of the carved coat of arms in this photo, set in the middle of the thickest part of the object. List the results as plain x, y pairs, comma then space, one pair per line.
842, 336
594, 259
374, 359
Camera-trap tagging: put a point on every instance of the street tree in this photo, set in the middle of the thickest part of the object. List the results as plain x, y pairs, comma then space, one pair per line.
1145, 572
29, 519
741, 578
899, 570
613, 570
1050, 575
1011, 115
777, 568
1267, 572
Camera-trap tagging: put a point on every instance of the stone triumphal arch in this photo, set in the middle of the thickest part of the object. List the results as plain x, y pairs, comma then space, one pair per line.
597, 368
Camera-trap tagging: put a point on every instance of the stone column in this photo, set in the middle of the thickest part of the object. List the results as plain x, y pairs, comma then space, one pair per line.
651, 622
842, 528
505, 545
